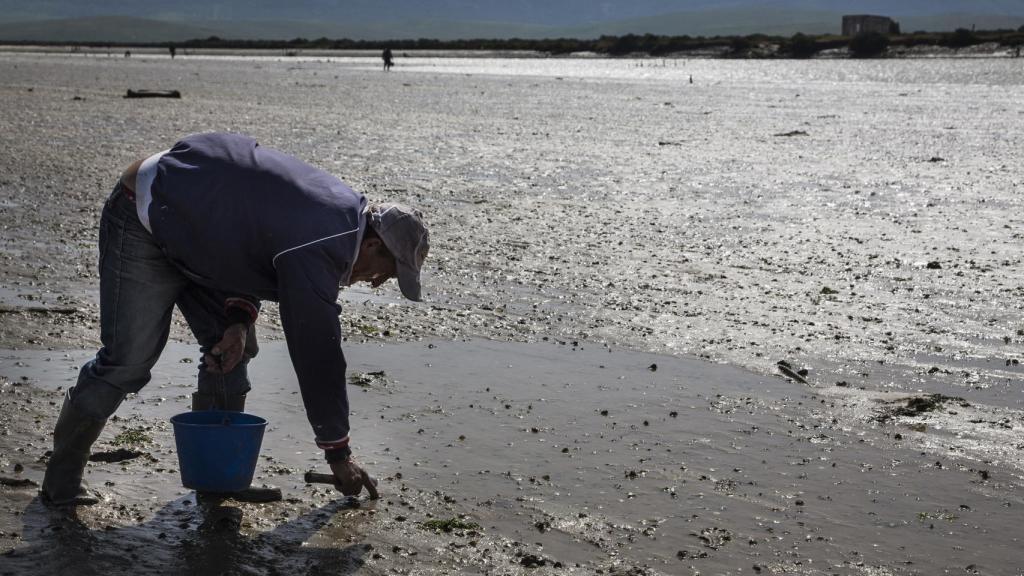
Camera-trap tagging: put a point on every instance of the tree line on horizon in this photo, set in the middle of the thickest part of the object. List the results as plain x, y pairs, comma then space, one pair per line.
869, 44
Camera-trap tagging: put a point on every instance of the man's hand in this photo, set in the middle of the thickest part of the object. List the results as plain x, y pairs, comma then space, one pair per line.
227, 353
351, 479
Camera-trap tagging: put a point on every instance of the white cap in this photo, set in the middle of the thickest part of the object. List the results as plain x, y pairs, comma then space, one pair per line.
402, 230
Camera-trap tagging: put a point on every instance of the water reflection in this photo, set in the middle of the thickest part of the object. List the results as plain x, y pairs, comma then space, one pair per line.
201, 537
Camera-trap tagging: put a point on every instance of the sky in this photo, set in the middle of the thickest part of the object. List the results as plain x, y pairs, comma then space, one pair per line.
506, 18
543, 12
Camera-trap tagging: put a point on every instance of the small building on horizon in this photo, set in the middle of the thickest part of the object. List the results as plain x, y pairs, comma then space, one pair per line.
860, 23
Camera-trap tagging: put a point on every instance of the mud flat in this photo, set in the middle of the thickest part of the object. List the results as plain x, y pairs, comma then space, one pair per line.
860, 219
511, 458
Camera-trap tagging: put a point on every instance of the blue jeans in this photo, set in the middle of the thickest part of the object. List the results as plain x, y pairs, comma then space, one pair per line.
139, 287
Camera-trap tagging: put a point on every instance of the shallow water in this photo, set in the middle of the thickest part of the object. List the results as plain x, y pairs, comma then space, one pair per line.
992, 71
582, 455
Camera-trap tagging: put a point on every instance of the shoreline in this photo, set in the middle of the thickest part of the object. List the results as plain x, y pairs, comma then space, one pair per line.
931, 52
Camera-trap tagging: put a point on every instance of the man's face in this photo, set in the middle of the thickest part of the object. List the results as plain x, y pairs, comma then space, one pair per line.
374, 264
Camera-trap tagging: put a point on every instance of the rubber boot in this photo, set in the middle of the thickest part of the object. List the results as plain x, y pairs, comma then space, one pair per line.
204, 401
73, 436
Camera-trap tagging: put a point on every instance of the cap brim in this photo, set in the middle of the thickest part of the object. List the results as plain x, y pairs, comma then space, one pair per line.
409, 281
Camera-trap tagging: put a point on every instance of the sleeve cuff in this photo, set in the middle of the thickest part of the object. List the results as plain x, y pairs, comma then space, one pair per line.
240, 311
333, 444
337, 454
335, 450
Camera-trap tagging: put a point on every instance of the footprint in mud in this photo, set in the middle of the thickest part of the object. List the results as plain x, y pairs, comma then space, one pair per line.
119, 455
714, 537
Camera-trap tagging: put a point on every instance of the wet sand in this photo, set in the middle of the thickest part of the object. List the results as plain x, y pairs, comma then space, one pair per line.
589, 457
857, 218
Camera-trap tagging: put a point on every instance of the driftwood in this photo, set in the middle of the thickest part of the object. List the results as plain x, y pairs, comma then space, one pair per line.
17, 482
787, 369
37, 309
152, 94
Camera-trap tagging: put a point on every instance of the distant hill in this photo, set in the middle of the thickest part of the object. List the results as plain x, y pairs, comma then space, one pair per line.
103, 29
775, 21
720, 22
121, 29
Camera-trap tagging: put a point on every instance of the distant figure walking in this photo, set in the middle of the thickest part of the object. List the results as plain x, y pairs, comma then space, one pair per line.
388, 61
172, 50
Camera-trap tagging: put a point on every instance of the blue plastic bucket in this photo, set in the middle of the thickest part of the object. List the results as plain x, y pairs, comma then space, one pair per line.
217, 449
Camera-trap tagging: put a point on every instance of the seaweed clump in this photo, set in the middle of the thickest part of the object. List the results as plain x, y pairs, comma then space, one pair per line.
450, 525
919, 405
